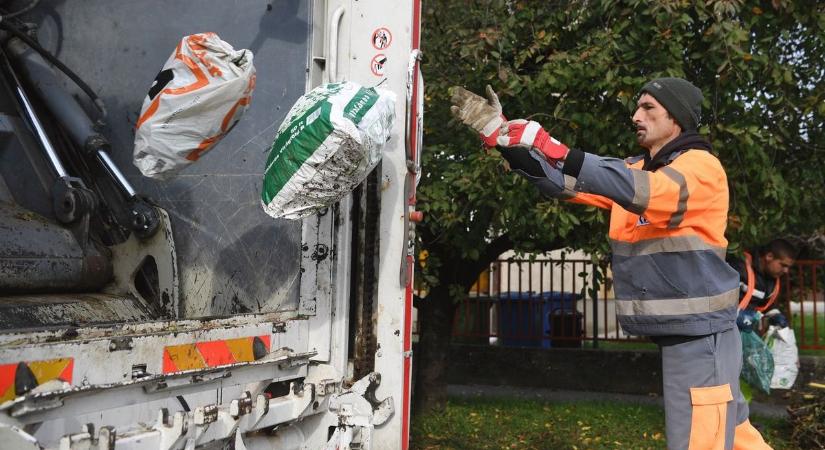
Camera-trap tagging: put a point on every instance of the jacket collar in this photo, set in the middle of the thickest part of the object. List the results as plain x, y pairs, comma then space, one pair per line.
688, 140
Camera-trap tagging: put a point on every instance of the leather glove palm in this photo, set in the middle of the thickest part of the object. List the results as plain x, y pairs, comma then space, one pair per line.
482, 115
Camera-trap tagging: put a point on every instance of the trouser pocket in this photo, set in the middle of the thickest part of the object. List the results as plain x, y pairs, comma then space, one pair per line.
709, 417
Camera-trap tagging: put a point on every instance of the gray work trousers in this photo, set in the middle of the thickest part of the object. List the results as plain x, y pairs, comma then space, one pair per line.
701, 389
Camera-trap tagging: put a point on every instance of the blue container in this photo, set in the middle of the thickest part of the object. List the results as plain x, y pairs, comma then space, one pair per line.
524, 318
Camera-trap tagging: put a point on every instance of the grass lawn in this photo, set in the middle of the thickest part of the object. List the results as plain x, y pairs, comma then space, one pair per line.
809, 338
478, 424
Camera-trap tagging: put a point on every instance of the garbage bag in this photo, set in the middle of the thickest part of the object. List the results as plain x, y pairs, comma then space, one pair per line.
782, 343
327, 144
197, 98
757, 362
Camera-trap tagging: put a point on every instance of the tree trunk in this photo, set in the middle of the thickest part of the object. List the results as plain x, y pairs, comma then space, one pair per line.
435, 318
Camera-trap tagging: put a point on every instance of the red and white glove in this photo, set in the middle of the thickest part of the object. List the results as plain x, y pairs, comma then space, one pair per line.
482, 115
529, 134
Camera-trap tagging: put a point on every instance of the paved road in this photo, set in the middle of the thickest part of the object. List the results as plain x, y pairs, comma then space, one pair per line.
552, 395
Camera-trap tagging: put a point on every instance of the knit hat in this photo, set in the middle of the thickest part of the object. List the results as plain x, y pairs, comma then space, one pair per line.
680, 97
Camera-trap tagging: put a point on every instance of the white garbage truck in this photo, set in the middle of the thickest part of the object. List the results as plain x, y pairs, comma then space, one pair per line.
175, 314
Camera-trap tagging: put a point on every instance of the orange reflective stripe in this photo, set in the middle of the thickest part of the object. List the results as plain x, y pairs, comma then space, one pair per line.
200, 355
52, 370
43, 371
746, 437
751, 282
709, 417
752, 286
184, 357
772, 298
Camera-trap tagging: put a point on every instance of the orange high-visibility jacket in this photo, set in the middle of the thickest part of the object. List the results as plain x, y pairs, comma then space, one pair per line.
667, 232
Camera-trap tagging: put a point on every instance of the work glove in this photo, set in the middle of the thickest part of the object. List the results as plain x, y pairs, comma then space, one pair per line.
748, 320
530, 135
775, 317
482, 115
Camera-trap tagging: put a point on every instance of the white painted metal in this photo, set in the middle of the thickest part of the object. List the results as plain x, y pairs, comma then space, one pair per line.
118, 382
366, 17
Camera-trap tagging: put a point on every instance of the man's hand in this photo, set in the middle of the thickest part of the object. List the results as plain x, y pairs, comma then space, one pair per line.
529, 134
482, 115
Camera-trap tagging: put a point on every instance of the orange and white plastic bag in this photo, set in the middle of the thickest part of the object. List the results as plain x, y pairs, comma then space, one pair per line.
197, 98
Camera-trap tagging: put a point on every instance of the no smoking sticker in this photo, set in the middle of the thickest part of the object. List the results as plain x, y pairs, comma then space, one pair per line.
381, 38
377, 64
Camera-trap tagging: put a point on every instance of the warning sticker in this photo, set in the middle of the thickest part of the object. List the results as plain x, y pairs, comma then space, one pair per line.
381, 38
377, 64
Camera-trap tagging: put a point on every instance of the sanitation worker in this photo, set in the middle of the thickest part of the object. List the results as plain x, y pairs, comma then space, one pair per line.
759, 272
668, 212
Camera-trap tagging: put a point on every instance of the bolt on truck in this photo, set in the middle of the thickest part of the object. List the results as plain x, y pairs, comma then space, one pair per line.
145, 314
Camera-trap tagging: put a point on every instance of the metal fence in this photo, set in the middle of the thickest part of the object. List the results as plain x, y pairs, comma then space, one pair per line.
569, 302
802, 299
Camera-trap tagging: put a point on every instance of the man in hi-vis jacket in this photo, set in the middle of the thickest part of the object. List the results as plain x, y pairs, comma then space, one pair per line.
668, 212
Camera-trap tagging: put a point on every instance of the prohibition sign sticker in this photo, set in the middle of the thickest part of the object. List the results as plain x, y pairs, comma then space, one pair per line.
381, 38
377, 64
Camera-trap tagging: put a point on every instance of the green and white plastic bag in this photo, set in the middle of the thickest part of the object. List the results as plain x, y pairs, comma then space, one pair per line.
328, 143
757, 362
782, 343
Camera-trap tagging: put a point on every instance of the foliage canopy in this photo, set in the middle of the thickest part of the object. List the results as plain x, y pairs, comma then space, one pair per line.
575, 67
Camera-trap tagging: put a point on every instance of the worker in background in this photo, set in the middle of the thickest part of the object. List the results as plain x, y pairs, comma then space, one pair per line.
759, 274
668, 213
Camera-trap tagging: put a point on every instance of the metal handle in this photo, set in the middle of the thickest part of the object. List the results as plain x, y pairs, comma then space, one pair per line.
415, 56
332, 45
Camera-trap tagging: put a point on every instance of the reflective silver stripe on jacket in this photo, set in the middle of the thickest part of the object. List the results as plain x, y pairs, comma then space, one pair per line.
663, 245
681, 207
677, 306
641, 192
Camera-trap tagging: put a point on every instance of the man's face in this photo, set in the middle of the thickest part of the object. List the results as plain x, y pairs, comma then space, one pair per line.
776, 266
654, 126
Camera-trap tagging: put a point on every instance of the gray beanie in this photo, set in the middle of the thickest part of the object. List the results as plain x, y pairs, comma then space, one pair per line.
680, 97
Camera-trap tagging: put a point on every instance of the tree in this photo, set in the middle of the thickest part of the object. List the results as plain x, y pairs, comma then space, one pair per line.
575, 66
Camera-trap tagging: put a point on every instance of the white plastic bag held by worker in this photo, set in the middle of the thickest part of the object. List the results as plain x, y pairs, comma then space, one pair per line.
199, 95
328, 143
782, 343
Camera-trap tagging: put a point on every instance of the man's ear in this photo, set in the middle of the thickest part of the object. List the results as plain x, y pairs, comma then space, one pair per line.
769, 256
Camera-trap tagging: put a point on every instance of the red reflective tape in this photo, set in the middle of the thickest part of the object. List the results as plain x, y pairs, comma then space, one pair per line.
168, 365
7, 381
267, 343
66, 374
215, 353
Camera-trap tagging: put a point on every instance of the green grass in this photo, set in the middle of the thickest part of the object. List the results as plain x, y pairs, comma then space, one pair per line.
479, 424
809, 337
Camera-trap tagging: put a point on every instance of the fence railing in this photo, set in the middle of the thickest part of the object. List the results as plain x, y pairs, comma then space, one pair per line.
566, 302
803, 302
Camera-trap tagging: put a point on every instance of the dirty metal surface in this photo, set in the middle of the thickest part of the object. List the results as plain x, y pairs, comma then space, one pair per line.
233, 258
76, 310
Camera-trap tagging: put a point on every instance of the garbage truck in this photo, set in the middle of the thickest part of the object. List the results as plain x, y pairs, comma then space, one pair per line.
138, 313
